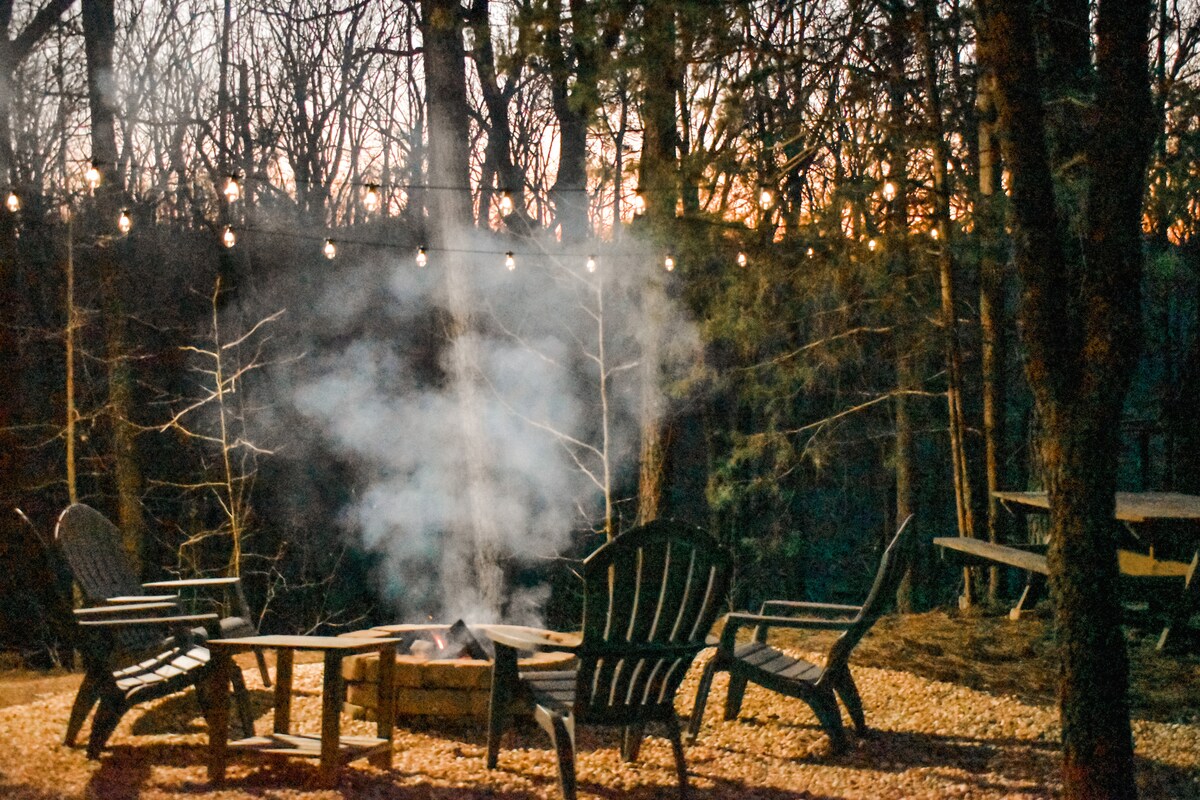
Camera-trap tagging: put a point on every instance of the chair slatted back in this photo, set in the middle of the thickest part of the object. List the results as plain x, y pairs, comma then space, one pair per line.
91, 545
651, 597
895, 561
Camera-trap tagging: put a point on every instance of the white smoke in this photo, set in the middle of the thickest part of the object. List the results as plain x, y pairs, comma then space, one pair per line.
395, 412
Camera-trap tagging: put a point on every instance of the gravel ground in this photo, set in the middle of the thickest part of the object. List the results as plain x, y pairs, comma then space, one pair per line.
931, 740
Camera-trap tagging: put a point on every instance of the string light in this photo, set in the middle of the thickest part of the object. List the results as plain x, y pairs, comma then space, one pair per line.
889, 191
766, 198
12, 203
92, 177
639, 203
591, 263
422, 258
510, 261
506, 204
669, 263
228, 237
933, 233
124, 222
810, 252
371, 198
872, 245
330, 249
233, 190
742, 260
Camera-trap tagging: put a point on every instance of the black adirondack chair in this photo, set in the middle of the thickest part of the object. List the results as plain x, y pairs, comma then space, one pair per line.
91, 545
819, 686
650, 599
137, 652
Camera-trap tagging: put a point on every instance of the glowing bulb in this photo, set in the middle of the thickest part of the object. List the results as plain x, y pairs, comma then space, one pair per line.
742, 260
422, 259
933, 233
591, 264
506, 204
872, 245
92, 176
233, 190
13, 203
510, 262
669, 263
766, 198
228, 237
371, 198
889, 191
330, 249
124, 222
810, 252
639, 203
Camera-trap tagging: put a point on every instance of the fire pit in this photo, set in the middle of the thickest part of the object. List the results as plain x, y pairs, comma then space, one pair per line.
441, 671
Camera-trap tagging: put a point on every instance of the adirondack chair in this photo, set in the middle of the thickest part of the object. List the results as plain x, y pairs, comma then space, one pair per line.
650, 598
92, 548
760, 663
137, 652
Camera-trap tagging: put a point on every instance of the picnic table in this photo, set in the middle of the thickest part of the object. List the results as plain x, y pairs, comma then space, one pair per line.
1163, 547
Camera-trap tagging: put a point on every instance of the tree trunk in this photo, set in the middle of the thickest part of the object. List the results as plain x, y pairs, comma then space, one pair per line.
992, 322
99, 31
1081, 323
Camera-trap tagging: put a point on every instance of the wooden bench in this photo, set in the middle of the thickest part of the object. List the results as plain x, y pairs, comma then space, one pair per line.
1032, 559
977, 552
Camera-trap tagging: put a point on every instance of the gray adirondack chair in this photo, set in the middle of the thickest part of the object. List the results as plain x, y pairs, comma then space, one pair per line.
137, 652
651, 597
819, 686
91, 545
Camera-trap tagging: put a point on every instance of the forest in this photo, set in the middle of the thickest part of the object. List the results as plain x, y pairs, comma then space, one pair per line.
398, 310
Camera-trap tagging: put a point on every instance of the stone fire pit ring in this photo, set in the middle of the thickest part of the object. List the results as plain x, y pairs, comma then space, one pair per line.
456, 688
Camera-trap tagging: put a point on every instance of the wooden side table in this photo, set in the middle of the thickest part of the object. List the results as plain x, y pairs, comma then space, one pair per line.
330, 747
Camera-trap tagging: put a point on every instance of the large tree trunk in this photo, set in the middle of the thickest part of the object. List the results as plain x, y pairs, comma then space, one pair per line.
99, 31
1081, 322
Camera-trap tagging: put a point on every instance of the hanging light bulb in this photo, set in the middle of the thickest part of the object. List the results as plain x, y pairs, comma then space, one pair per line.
810, 252
12, 203
422, 259
330, 249
766, 198
228, 237
669, 263
124, 222
889, 191
639, 203
506, 204
933, 233
371, 198
742, 260
510, 262
92, 177
232, 190
591, 264
872, 245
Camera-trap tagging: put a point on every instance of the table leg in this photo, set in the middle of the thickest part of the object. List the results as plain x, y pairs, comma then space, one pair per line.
283, 690
1188, 602
385, 704
331, 716
216, 691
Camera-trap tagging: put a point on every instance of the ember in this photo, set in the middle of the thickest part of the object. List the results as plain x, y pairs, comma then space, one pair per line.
437, 644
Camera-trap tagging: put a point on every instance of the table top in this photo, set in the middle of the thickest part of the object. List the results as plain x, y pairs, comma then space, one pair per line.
1130, 506
322, 643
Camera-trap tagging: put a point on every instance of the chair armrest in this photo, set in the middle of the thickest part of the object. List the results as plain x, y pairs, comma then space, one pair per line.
126, 622
763, 623
141, 598
520, 638
119, 608
190, 582
815, 608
